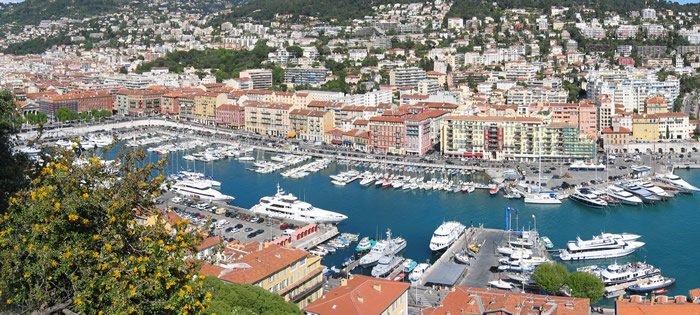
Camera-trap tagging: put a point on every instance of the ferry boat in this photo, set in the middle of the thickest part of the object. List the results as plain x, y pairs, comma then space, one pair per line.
386, 265
287, 206
586, 198
199, 190
417, 273
365, 244
677, 182
654, 283
598, 248
542, 198
446, 234
623, 196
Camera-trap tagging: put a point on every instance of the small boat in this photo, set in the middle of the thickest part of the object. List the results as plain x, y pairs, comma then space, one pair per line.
653, 283
365, 244
338, 183
399, 277
409, 265
494, 191
660, 291
462, 258
500, 284
417, 273
547, 242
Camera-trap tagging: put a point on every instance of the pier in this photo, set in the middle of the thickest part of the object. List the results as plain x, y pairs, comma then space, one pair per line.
325, 233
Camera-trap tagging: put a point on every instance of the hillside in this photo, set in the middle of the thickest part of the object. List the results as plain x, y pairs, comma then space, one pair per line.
33, 11
481, 8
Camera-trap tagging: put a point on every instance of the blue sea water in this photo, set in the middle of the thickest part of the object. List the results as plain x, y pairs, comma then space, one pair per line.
669, 229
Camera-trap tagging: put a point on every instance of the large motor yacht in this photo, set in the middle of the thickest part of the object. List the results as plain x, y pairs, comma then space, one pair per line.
446, 234
587, 198
623, 196
286, 206
598, 248
677, 182
199, 190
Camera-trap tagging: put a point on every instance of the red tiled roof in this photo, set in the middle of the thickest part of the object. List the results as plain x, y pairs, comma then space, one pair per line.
361, 295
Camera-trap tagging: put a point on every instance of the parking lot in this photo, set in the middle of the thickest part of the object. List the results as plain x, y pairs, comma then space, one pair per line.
227, 223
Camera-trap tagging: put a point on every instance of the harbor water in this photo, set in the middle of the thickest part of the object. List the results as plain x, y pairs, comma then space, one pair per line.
669, 229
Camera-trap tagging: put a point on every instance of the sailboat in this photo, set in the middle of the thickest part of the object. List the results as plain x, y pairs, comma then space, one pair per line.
539, 197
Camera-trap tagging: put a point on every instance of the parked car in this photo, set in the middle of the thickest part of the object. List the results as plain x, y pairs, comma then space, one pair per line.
284, 226
238, 226
248, 229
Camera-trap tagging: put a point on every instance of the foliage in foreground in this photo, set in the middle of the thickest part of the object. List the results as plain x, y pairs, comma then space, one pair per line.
70, 242
245, 299
12, 166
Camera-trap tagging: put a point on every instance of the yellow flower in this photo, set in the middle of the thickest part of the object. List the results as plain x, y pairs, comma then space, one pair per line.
10, 301
36, 226
108, 247
168, 285
31, 246
155, 194
95, 237
167, 307
207, 295
57, 206
78, 302
66, 254
112, 219
181, 293
26, 275
188, 288
86, 196
86, 221
72, 217
202, 277
54, 263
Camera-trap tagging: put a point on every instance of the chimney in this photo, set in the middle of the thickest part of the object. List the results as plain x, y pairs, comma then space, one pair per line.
343, 282
266, 244
377, 286
360, 299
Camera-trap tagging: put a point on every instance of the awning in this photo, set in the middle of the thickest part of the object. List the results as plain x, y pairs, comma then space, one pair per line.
469, 154
336, 141
292, 135
347, 142
446, 274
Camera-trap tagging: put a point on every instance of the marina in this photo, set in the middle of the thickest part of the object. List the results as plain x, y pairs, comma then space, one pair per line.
394, 208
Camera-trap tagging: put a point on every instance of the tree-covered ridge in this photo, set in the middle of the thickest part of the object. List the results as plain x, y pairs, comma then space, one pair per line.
33, 11
225, 63
483, 8
321, 9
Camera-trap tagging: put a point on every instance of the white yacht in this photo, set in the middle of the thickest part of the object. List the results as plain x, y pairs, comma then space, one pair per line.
417, 273
287, 206
446, 234
634, 188
385, 265
587, 198
616, 274
656, 190
677, 182
623, 196
199, 190
622, 236
542, 198
598, 248
389, 246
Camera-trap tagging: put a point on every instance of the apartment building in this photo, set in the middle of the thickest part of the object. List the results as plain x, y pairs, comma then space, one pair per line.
523, 138
232, 116
267, 118
306, 75
261, 78
406, 76
205, 105
387, 135
674, 126
615, 136
138, 102
645, 127
520, 69
583, 114
655, 105
291, 273
631, 88
310, 125
77, 101
527, 95
363, 295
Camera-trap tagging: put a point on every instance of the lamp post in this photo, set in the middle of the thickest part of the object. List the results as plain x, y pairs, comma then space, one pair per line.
535, 218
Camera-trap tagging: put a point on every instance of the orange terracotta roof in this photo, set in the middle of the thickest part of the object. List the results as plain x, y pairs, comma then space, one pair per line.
209, 242
361, 295
263, 263
467, 300
635, 308
495, 118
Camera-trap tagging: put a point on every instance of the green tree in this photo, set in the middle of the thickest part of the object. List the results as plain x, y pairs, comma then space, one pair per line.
586, 285
14, 166
70, 242
296, 51
277, 75
63, 114
550, 277
245, 299
123, 70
